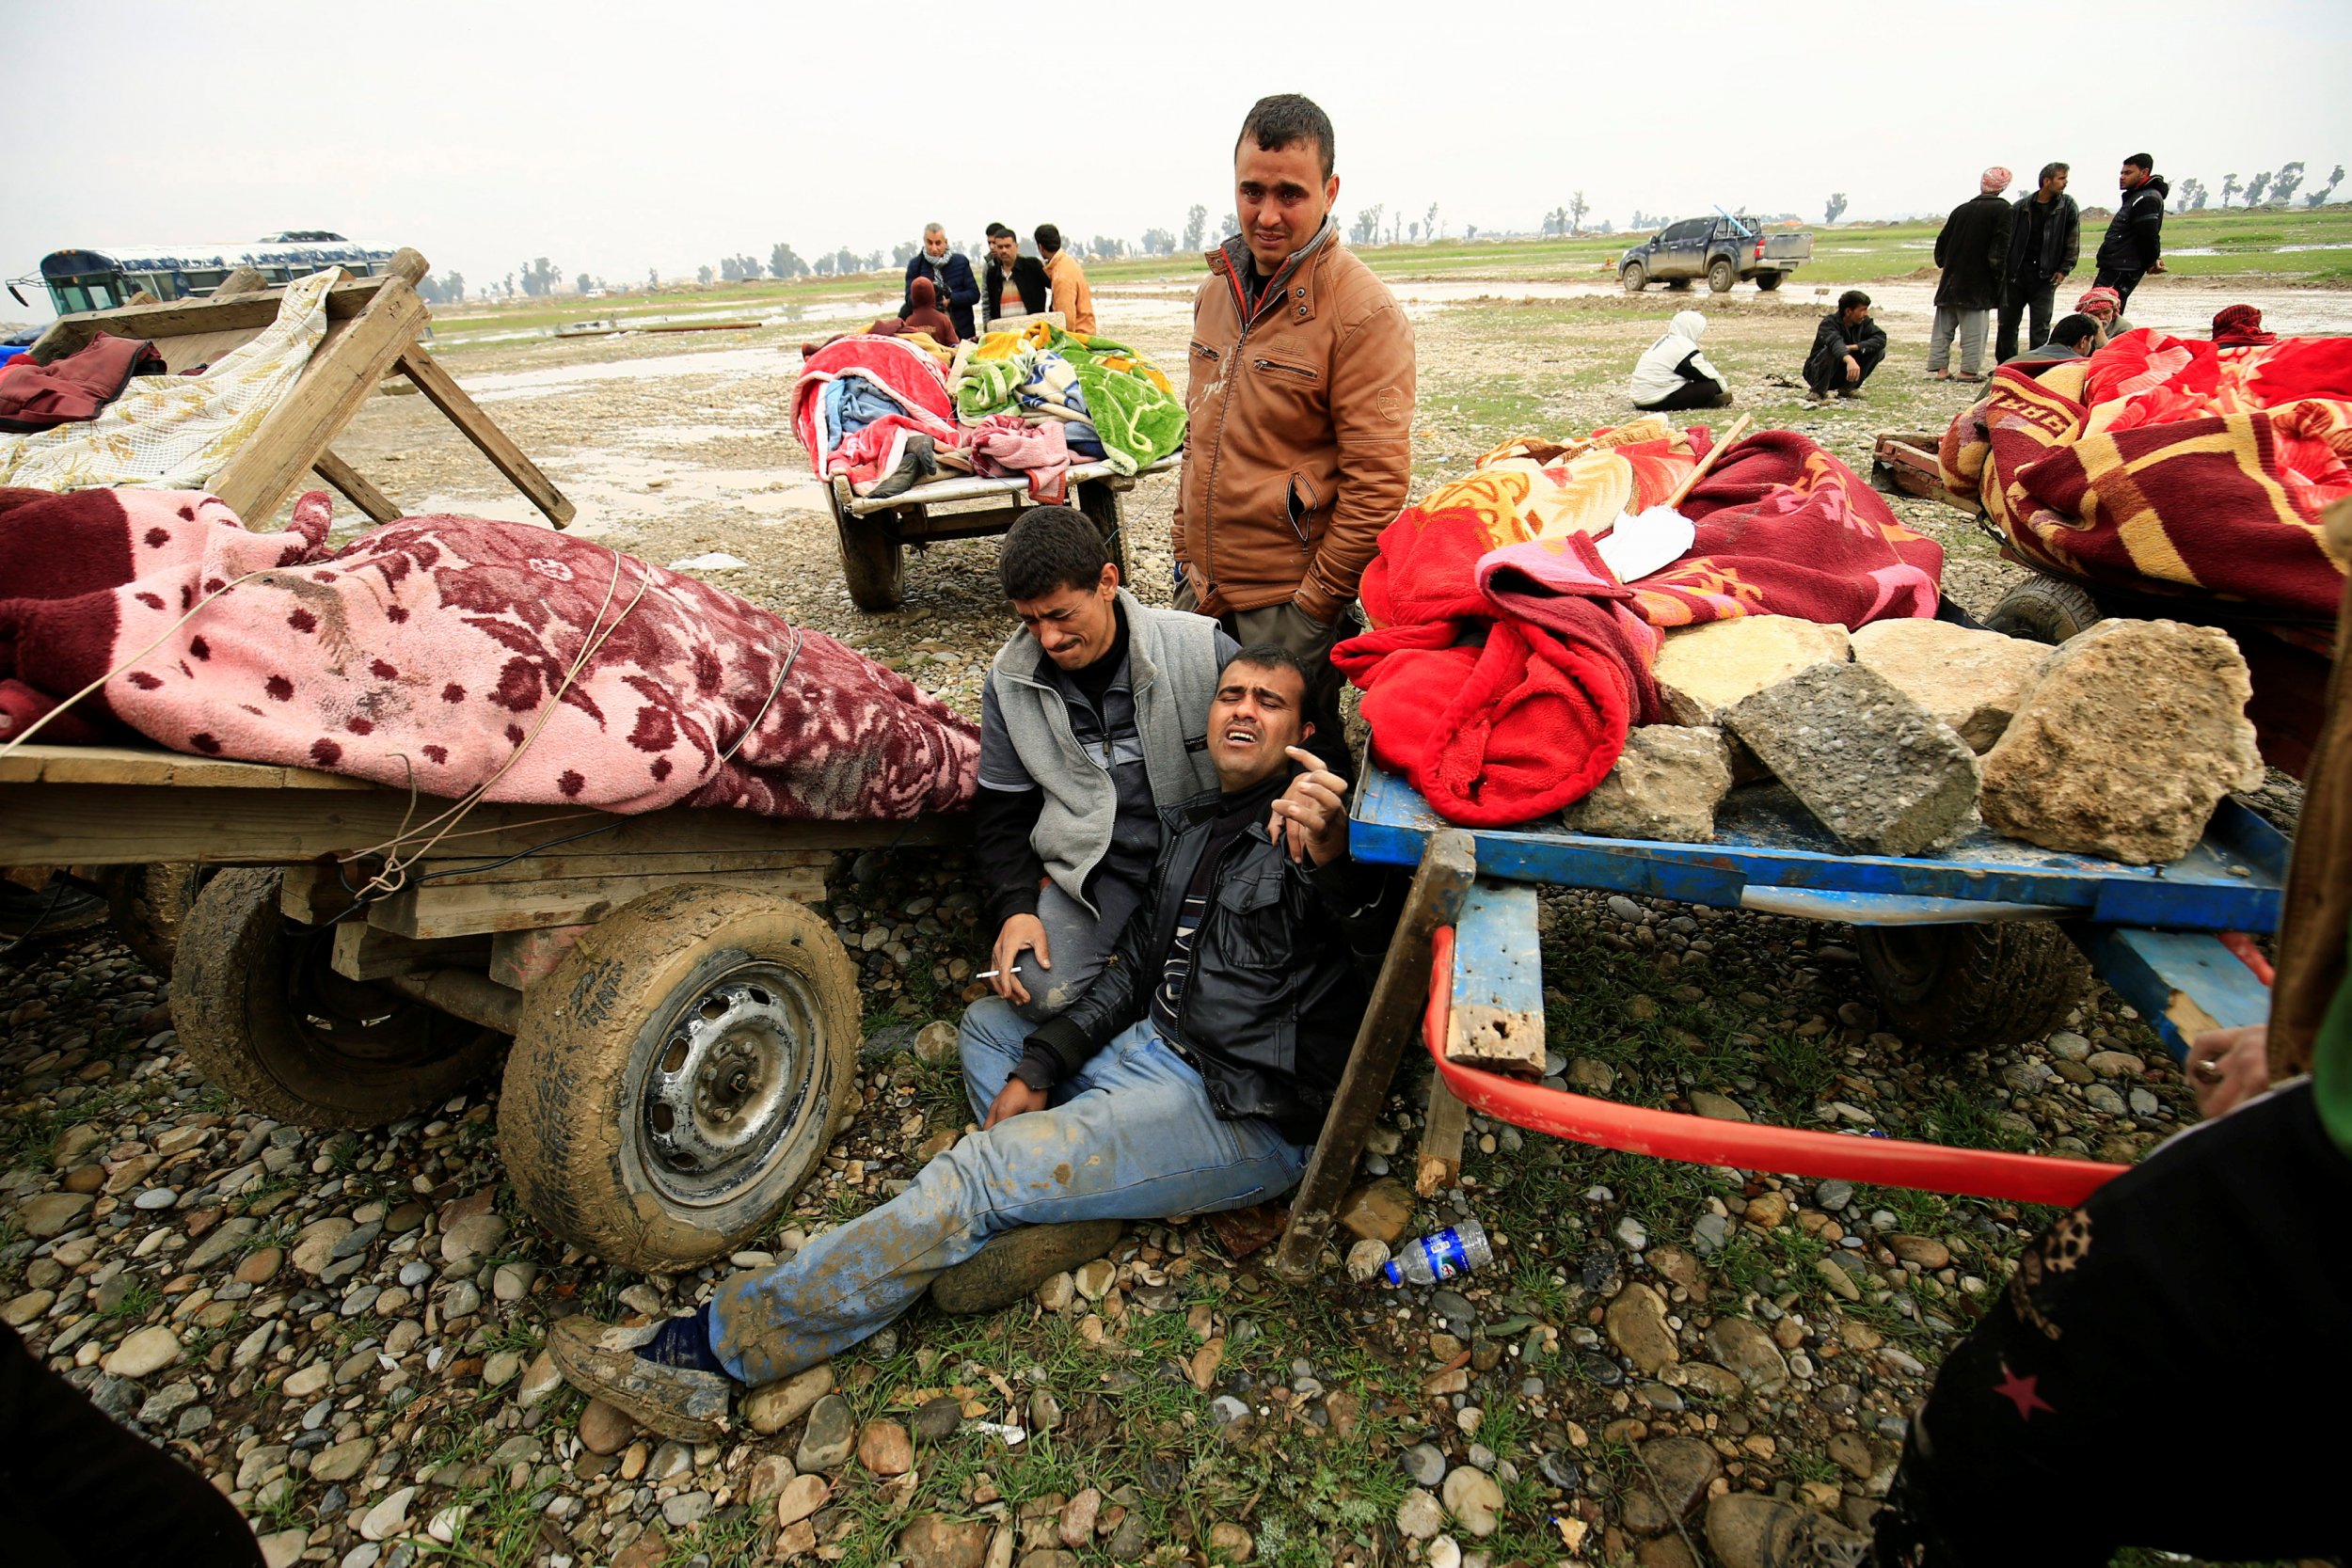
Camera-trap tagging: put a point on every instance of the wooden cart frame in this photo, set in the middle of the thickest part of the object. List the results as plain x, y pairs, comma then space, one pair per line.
686, 1030
375, 329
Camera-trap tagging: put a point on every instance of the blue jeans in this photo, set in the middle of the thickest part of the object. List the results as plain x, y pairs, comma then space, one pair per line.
1132, 1136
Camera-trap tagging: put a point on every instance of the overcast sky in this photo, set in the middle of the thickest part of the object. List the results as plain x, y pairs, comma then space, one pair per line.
613, 139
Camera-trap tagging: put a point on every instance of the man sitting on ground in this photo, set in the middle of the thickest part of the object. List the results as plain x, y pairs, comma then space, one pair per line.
1847, 347
1068, 281
1673, 374
2075, 338
1012, 284
2105, 306
1092, 722
1192, 1076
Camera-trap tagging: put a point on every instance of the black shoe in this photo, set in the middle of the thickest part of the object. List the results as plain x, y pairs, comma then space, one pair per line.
602, 1362
919, 463
1013, 1262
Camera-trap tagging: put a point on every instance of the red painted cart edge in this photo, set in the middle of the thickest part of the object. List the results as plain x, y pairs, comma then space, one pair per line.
1747, 1146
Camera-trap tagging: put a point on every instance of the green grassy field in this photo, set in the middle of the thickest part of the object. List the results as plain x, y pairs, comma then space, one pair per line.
2251, 243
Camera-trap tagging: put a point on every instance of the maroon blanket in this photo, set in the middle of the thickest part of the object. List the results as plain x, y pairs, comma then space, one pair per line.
41, 397
455, 653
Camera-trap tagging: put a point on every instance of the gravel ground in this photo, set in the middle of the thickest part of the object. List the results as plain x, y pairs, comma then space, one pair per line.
342, 1330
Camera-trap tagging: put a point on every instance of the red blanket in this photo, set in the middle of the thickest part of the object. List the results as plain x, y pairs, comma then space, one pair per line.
903, 378
442, 651
2169, 465
1506, 663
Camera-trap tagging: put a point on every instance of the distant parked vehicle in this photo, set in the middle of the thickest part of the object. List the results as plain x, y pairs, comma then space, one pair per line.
1724, 249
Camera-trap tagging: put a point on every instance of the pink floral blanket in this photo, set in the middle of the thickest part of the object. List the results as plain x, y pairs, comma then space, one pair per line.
455, 653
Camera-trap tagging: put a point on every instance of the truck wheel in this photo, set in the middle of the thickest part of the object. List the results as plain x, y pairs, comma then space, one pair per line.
1721, 276
1635, 278
2045, 609
2001, 982
150, 904
1100, 503
262, 1015
1767, 281
679, 1074
59, 907
873, 561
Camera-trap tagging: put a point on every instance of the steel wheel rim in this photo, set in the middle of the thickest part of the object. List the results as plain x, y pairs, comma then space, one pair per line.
729, 1084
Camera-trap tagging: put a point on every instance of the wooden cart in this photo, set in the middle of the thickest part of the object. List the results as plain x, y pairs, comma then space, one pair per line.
685, 1028
375, 329
874, 531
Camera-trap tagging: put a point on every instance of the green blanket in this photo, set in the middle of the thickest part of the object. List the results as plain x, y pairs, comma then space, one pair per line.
1136, 417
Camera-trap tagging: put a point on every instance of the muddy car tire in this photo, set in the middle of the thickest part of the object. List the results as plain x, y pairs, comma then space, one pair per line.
1767, 281
2001, 982
262, 1014
1721, 276
60, 907
1635, 278
679, 1074
150, 905
873, 563
2044, 610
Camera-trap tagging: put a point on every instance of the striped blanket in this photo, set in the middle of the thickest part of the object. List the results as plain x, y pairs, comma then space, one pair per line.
2169, 465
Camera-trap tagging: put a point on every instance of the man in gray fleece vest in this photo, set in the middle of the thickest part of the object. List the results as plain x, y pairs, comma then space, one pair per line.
1094, 718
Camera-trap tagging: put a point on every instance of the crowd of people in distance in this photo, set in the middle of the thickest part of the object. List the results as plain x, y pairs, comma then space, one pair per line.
946, 304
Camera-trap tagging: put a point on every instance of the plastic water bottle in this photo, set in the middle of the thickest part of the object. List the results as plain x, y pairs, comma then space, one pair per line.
1456, 1250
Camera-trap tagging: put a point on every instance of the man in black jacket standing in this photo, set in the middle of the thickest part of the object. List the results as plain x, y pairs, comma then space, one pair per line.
952, 278
1847, 347
1973, 249
1012, 284
2134, 246
2045, 242
1192, 1076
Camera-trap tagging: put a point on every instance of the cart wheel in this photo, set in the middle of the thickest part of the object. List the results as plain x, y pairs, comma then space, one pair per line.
59, 907
679, 1074
1100, 503
1721, 276
2045, 609
873, 563
1767, 281
150, 904
1635, 278
2000, 983
262, 1015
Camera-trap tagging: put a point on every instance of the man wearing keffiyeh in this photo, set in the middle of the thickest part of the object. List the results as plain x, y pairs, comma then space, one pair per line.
1973, 250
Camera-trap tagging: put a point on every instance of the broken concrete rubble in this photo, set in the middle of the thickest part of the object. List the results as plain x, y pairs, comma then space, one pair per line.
2134, 733
1666, 785
1703, 670
1873, 766
1971, 680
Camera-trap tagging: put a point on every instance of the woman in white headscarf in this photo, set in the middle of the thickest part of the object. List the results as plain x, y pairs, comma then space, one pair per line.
1672, 374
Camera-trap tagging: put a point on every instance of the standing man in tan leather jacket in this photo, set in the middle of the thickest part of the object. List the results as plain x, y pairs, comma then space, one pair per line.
1301, 409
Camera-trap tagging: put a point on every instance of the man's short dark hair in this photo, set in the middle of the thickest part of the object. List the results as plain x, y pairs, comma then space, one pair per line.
1270, 656
1048, 238
998, 231
1850, 298
2048, 170
1284, 119
2073, 329
2141, 160
1048, 549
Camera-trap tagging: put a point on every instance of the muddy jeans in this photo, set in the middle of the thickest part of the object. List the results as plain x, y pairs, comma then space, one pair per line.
1130, 1136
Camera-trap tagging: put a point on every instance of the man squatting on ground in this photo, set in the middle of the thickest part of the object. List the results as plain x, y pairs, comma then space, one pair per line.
1847, 347
1094, 720
1191, 1076
1672, 374
1300, 403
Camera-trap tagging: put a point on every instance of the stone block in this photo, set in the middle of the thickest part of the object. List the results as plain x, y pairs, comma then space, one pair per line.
2134, 733
1971, 680
1875, 769
1666, 785
1703, 670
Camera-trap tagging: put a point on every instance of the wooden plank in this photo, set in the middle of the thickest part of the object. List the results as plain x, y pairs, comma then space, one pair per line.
518, 959
972, 487
1497, 1021
478, 427
180, 318
431, 910
1438, 1165
364, 952
1448, 863
341, 375
558, 866
129, 824
343, 477
316, 892
37, 762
